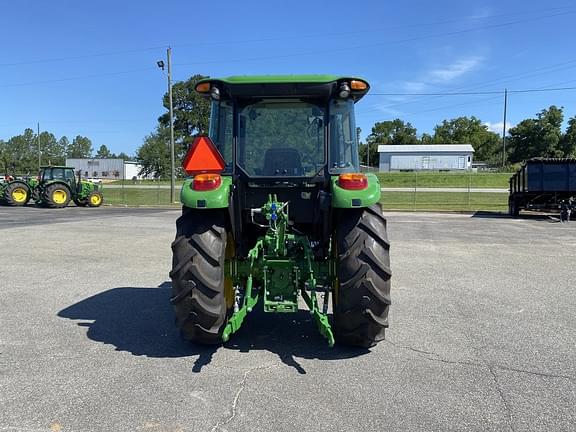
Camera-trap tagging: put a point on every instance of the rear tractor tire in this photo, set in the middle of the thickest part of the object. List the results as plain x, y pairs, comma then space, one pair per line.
17, 194
95, 199
56, 196
198, 282
362, 293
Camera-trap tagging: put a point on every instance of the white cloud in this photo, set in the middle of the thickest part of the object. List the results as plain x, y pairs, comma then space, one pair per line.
414, 86
497, 126
480, 14
387, 110
455, 70
438, 78
443, 75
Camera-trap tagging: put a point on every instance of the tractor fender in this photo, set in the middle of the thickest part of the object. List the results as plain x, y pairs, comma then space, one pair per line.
343, 198
217, 198
20, 182
86, 188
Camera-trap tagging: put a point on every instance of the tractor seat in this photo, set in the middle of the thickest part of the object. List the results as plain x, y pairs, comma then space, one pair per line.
282, 161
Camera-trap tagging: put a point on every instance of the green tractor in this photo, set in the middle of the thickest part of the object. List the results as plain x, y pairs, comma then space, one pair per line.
276, 209
57, 186
15, 191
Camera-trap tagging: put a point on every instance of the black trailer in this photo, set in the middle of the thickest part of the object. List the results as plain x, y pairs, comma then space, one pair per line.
542, 184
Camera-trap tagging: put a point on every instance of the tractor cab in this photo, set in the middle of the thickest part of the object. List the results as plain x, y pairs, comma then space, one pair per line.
288, 135
279, 128
60, 173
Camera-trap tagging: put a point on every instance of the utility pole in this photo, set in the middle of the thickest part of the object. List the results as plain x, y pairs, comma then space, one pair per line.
172, 170
38, 142
368, 155
504, 128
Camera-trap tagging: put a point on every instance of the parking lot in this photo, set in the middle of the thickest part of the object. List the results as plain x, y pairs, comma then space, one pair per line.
482, 336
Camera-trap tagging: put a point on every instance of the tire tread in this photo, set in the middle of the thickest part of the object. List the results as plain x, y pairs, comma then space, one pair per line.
198, 275
361, 310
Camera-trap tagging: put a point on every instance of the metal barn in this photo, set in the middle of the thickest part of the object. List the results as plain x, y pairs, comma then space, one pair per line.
445, 157
112, 169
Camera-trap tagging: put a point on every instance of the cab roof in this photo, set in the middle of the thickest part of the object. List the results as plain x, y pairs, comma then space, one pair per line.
276, 79
55, 166
311, 85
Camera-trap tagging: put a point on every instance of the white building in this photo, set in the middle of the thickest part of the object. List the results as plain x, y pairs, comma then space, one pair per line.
429, 157
112, 169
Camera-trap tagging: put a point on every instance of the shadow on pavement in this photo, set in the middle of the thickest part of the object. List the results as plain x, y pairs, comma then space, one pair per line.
490, 215
141, 321
523, 216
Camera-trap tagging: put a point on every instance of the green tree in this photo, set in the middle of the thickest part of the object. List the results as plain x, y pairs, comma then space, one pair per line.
470, 130
426, 138
4, 157
154, 154
81, 147
368, 154
387, 132
103, 152
191, 113
64, 143
22, 153
362, 148
538, 137
52, 152
393, 132
568, 143
124, 156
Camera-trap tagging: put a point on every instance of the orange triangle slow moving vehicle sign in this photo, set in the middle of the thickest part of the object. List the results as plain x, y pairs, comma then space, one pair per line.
203, 157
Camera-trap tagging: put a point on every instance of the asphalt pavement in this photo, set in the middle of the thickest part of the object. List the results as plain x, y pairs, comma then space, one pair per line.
482, 336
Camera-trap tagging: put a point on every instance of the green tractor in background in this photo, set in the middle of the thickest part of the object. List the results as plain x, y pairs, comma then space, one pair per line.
56, 186
276, 209
15, 191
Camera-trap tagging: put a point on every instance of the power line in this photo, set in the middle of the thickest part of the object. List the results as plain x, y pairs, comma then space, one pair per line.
347, 49
566, 8
78, 122
541, 90
271, 57
378, 29
76, 78
500, 92
479, 102
475, 102
83, 56
437, 94
505, 79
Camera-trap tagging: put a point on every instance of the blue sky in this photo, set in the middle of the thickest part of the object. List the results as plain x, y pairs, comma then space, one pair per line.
89, 68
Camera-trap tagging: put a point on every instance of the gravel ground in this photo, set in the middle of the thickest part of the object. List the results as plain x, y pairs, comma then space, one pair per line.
482, 337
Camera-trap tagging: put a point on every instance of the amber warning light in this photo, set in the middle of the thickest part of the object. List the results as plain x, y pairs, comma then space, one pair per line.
203, 157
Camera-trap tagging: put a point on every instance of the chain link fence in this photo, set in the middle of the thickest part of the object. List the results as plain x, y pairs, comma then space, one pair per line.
144, 193
449, 191
470, 191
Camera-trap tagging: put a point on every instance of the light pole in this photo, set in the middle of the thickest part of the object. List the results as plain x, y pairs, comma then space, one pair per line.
504, 129
171, 109
38, 142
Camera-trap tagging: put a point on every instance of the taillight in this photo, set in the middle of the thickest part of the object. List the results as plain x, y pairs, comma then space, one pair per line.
353, 181
206, 182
